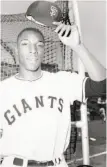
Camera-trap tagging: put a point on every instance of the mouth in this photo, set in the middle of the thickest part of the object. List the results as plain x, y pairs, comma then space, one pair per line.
32, 59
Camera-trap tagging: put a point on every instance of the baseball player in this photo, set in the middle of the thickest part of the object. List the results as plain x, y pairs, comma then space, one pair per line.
35, 105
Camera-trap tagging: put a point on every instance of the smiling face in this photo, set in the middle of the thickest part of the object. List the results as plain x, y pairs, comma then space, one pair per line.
30, 46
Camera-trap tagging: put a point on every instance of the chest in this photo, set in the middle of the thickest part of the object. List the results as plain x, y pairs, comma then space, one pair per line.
29, 102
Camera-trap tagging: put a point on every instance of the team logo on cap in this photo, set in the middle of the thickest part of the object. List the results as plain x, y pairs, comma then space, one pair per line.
53, 11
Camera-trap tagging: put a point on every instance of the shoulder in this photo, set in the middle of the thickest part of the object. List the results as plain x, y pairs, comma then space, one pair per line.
66, 74
70, 76
62, 75
7, 82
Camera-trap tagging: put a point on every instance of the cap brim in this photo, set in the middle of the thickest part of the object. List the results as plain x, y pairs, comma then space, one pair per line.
34, 20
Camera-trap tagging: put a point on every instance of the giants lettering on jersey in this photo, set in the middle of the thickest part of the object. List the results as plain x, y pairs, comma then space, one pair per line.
10, 118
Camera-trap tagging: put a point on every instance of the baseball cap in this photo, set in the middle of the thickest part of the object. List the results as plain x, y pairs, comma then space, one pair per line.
44, 13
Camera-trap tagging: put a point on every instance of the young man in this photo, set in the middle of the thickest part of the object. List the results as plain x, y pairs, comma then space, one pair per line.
35, 105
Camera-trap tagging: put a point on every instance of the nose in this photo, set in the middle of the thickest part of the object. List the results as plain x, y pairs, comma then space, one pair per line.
33, 49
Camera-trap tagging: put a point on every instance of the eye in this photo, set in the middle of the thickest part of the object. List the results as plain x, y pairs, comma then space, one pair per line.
40, 44
24, 43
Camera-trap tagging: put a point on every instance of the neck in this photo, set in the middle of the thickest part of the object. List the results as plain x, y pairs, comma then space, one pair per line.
29, 75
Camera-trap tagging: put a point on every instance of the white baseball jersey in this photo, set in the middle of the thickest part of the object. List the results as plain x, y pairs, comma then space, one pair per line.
35, 116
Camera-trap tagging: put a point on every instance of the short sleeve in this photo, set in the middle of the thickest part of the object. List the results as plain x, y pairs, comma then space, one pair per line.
73, 84
76, 86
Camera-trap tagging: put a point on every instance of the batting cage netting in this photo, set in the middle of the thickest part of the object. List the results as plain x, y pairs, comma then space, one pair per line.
57, 56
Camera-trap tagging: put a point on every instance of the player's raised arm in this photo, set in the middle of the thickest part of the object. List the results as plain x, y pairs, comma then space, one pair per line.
69, 35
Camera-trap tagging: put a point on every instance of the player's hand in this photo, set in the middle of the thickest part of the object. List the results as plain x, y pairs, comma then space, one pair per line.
68, 34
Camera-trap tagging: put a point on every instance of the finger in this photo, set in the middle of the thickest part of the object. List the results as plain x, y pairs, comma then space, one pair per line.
68, 31
57, 160
58, 29
62, 31
54, 161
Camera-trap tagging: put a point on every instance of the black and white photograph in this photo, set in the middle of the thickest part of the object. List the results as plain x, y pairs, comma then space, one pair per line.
53, 83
